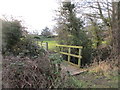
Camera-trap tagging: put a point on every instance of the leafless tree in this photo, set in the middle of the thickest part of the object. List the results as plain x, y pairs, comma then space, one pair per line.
116, 27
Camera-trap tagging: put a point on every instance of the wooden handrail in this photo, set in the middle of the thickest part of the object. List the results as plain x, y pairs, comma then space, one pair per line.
70, 46
69, 53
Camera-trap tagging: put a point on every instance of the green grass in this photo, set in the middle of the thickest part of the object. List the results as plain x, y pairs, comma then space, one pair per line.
72, 82
91, 80
51, 43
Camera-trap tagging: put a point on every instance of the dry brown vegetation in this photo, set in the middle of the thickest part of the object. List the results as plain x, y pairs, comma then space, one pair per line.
27, 73
105, 67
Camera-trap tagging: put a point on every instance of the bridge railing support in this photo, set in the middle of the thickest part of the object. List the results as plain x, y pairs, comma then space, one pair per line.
69, 53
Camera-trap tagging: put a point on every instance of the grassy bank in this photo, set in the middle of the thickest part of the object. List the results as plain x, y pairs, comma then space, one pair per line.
104, 75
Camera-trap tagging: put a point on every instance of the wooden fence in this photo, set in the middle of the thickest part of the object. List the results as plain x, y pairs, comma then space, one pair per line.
44, 45
69, 53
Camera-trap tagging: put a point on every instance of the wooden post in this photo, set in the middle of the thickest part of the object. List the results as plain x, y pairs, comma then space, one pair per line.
60, 49
69, 51
79, 59
41, 43
46, 46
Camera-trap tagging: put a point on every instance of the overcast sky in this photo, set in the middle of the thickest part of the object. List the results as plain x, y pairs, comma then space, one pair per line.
36, 14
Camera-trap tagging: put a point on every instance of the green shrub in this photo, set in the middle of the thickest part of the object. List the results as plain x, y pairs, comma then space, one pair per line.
28, 47
56, 58
14, 42
11, 34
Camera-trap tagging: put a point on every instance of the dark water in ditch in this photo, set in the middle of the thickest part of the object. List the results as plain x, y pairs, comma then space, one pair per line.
72, 59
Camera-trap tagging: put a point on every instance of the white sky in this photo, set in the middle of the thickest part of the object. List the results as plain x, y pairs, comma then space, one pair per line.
36, 14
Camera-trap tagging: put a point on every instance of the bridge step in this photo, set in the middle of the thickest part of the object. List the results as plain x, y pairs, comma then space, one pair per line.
71, 69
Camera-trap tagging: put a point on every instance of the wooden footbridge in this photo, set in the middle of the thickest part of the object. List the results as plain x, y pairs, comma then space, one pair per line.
67, 65
72, 68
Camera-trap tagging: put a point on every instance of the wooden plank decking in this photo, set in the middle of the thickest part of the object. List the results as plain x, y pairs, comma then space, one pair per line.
73, 70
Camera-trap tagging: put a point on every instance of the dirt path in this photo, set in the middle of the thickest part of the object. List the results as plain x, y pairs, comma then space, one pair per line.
89, 79
97, 81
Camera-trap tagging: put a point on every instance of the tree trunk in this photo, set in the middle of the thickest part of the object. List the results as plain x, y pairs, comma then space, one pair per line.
116, 27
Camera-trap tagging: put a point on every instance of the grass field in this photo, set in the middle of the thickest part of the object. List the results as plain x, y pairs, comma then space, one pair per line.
51, 43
